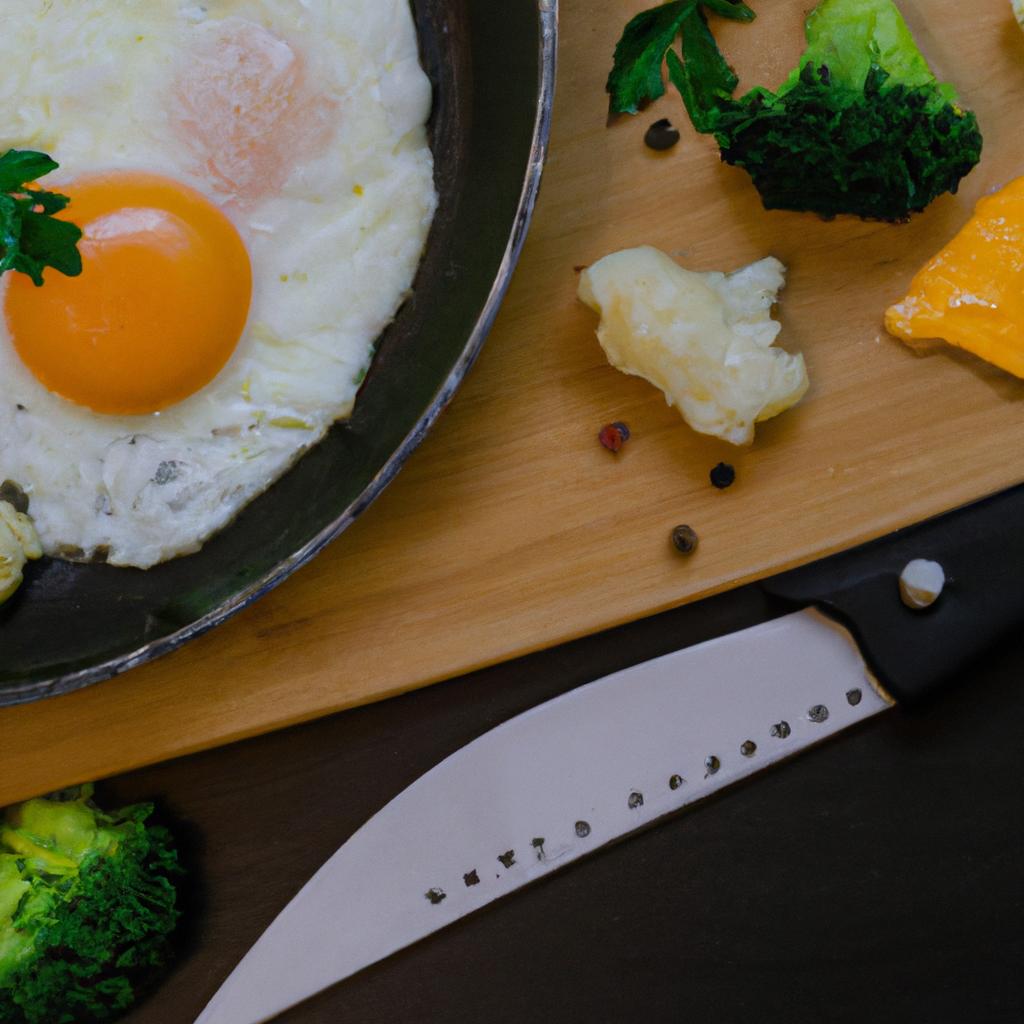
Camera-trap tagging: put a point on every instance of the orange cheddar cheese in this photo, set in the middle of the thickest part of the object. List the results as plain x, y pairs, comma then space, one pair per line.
972, 293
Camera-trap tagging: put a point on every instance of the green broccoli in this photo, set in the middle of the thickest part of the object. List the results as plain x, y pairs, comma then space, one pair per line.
87, 907
861, 126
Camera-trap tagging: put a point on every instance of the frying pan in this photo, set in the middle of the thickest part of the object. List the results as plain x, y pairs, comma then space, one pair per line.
492, 66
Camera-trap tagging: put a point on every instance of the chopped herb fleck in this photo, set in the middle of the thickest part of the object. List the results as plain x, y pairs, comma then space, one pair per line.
167, 472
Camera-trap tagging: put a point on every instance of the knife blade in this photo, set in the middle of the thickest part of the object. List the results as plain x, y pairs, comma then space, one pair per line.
553, 785
617, 755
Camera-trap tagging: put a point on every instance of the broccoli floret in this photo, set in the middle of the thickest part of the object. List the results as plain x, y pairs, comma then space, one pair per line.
861, 126
87, 907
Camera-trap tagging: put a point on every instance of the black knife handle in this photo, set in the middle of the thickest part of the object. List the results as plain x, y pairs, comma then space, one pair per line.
916, 653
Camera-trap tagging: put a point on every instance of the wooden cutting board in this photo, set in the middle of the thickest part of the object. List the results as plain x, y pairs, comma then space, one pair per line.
512, 529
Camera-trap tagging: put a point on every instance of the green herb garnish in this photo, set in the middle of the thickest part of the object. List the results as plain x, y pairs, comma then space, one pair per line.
636, 77
861, 126
31, 238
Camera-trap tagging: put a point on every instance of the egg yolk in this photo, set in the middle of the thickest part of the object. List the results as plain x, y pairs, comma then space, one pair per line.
158, 309
244, 106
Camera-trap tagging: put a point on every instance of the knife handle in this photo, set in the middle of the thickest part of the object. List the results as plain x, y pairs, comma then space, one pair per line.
915, 654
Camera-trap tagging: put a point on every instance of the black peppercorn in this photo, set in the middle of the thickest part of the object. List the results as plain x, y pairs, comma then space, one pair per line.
661, 135
685, 540
723, 475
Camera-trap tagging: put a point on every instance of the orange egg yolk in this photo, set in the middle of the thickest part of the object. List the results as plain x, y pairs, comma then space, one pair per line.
158, 309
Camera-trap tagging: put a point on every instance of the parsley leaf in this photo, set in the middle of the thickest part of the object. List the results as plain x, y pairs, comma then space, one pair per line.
30, 239
20, 166
706, 79
636, 78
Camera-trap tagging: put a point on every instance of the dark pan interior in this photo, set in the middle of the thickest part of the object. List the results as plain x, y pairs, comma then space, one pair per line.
73, 624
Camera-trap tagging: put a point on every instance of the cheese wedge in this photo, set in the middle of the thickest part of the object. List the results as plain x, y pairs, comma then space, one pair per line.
972, 293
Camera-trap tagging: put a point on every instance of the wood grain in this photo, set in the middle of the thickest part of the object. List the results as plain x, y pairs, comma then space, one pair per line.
512, 529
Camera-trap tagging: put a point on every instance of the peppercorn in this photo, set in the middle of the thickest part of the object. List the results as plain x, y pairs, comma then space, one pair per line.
723, 476
685, 540
614, 436
661, 135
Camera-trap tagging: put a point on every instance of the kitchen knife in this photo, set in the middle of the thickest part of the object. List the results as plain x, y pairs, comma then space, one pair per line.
617, 755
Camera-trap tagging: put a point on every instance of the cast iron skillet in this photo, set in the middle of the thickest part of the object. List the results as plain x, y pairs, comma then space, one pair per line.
492, 65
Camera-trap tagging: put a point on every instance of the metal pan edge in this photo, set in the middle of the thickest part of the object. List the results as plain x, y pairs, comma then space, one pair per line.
547, 14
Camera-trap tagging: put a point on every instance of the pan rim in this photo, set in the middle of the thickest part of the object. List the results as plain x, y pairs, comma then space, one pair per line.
547, 13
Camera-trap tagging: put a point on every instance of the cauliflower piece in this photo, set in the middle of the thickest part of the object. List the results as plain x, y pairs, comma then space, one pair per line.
706, 340
19, 543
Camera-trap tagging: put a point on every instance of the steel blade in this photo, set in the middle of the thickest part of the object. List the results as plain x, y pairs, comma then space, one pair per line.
550, 786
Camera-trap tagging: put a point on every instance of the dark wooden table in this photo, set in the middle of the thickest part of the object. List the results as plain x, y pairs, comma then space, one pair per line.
877, 879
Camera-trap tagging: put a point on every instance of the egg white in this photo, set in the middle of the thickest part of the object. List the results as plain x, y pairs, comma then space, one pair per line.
334, 251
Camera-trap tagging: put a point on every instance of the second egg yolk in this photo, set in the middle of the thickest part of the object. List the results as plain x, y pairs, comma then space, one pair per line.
158, 309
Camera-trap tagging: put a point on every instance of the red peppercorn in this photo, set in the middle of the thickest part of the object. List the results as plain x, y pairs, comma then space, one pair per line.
614, 436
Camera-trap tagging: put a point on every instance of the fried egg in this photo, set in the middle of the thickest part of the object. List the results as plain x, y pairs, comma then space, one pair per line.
255, 186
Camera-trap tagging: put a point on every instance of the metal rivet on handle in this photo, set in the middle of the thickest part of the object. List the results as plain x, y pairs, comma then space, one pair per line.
636, 800
675, 782
507, 859
436, 896
712, 764
781, 730
748, 749
818, 714
582, 829
471, 878
854, 697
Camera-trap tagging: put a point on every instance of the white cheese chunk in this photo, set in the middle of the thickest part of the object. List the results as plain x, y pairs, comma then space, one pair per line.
705, 339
